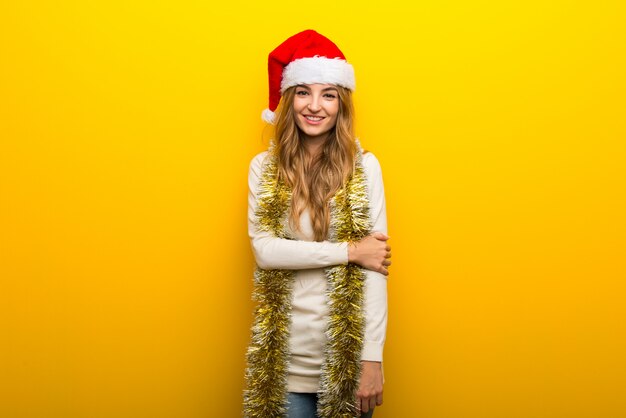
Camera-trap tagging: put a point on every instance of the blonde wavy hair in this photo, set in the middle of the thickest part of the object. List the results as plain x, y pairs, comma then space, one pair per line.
314, 179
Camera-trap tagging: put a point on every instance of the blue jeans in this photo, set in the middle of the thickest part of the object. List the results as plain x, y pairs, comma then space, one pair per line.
304, 405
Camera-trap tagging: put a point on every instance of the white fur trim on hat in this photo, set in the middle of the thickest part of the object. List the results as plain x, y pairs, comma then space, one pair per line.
318, 70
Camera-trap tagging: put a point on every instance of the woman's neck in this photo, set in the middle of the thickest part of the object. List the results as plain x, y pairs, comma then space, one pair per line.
314, 145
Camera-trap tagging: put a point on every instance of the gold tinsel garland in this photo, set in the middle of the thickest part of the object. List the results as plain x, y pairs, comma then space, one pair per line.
268, 354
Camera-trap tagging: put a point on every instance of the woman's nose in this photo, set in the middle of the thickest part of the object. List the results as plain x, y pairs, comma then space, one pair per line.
314, 104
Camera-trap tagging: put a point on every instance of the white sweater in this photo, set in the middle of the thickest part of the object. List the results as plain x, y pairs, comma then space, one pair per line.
309, 258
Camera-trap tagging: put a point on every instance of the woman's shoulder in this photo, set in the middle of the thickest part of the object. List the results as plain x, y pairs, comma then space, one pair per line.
369, 161
368, 158
258, 160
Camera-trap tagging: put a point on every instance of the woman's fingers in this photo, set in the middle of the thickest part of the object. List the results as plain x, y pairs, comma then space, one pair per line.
371, 252
365, 405
372, 402
380, 236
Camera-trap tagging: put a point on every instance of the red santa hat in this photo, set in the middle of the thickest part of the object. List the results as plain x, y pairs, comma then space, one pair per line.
305, 58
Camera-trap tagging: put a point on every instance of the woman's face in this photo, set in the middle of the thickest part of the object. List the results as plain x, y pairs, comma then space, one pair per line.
316, 107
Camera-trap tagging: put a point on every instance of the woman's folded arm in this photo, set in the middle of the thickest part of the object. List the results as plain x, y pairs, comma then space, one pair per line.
271, 252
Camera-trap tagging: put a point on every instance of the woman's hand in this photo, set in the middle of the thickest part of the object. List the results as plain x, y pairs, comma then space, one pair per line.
370, 393
372, 253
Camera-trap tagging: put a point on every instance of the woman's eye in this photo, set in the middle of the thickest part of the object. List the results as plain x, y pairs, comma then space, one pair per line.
301, 92
330, 96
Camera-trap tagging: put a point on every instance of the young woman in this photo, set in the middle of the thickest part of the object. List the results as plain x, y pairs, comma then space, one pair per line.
317, 224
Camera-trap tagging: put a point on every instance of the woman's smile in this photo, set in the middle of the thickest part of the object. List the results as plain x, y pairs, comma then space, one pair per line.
313, 120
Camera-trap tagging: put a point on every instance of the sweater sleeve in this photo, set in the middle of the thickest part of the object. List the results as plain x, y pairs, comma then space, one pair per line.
271, 252
375, 303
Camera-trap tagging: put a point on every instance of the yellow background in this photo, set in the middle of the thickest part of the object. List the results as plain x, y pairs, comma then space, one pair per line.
126, 131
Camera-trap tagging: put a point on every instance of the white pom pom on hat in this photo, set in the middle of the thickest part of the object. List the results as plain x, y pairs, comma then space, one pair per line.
305, 58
